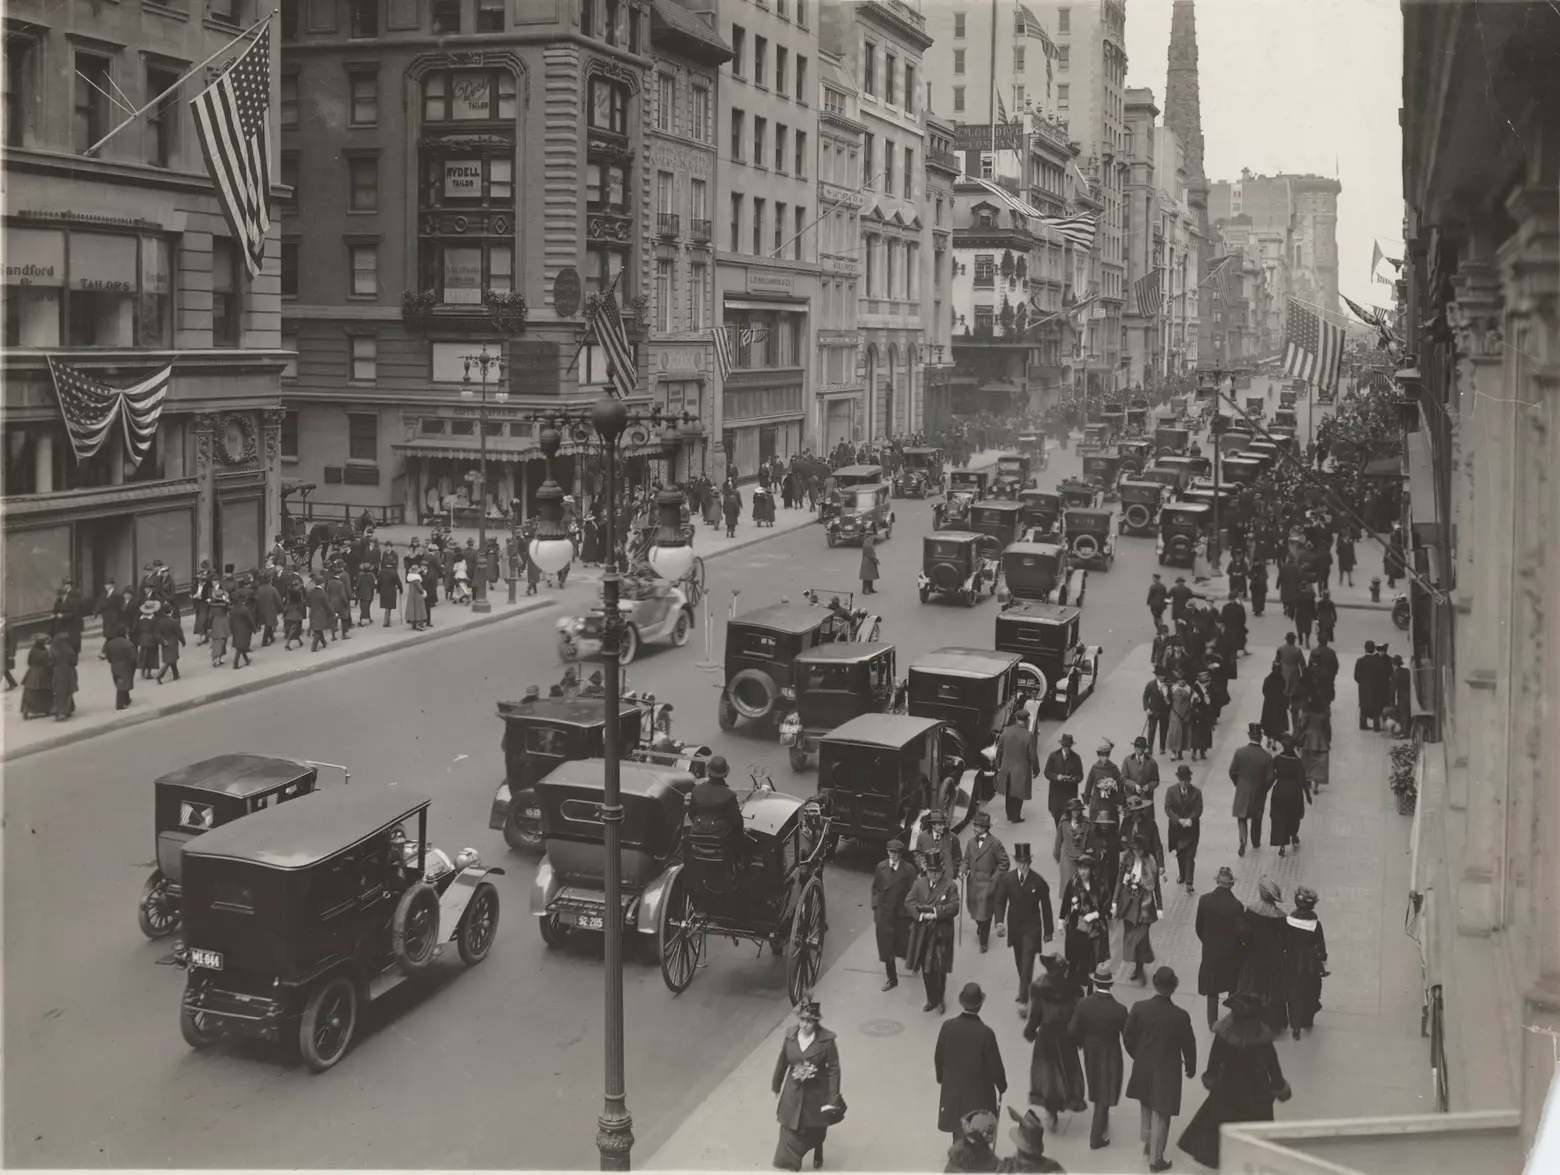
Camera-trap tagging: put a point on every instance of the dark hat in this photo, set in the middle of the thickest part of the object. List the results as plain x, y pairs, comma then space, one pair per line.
531, 694
717, 767
1166, 981
809, 1007
1021, 852
980, 1124
1140, 741
982, 819
1074, 804
935, 816
1253, 730
896, 846
1224, 876
932, 859
1055, 964
1029, 1135
1066, 740
1244, 1003
1305, 898
1183, 772
555, 691
1104, 976
1087, 857
971, 997
1139, 803
595, 678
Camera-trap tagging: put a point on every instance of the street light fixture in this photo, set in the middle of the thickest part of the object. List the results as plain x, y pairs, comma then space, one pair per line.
485, 364
550, 547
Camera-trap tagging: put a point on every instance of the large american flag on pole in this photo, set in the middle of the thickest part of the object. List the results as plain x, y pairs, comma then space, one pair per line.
1313, 349
233, 123
1149, 294
612, 337
92, 409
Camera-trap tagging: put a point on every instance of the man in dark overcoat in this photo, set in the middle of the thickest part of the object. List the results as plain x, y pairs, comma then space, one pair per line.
1251, 771
1220, 915
1183, 820
1367, 681
891, 883
985, 861
1158, 1037
1015, 764
968, 1063
936, 836
1023, 914
319, 612
66, 616
1096, 1026
268, 610
120, 653
933, 905
1063, 774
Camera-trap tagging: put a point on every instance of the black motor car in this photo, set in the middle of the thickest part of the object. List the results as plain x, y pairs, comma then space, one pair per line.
965, 487
833, 684
1042, 511
920, 473
1012, 475
1285, 418
1078, 494
972, 690
1171, 441
1095, 438
761, 648
298, 915
1239, 469
1091, 537
1134, 455
1255, 406
879, 772
1001, 520
1288, 398
960, 564
1203, 491
1173, 480
1233, 441
1032, 443
1041, 571
1140, 502
1046, 637
1102, 470
1181, 524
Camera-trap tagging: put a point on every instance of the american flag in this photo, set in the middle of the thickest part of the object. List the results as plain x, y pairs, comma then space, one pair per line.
1149, 296
1313, 349
91, 410
1222, 278
1077, 229
233, 122
612, 336
1002, 115
722, 338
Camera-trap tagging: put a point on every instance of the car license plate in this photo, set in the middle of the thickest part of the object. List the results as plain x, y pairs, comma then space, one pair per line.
210, 960
590, 922
531, 813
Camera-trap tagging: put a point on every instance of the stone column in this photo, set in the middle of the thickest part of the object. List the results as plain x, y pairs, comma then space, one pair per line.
271, 461
1483, 409
203, 429
116, 457
43, 463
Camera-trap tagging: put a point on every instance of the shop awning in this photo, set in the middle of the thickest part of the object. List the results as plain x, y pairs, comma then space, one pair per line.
499, 450
789, 305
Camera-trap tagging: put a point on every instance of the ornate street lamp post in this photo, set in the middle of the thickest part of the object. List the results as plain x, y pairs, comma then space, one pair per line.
485, 364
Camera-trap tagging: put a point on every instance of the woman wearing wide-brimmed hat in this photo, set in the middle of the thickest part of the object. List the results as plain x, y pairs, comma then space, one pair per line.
1305, 962
1263, 937
1029, 1147
148, 649
1086, 917
1055, 1073
807, 1082
1072, 840
1288, 799
1243, 1078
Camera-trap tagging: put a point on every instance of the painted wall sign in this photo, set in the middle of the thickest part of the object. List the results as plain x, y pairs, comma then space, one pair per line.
463, 178
760, 282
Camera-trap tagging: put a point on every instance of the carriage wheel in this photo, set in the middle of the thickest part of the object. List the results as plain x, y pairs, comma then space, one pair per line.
679, 936
695, 580
805, 958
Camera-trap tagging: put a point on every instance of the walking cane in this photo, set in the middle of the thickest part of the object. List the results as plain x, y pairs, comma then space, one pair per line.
962, 883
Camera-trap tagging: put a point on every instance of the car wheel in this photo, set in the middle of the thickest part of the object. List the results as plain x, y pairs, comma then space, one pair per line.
970, 596
414, 931
681, 630
798, 757
630, 645
888, 532
925, 595
478, 925
521, 834
158, 912
328, 1021
197, 1032
554, 932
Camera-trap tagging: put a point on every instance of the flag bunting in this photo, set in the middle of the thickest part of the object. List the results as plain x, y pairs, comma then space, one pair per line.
233, 124
606, 322
722, 339
92, 409
1313, 349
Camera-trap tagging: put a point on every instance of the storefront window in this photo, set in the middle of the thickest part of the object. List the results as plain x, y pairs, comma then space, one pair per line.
103, 283
34, 286
154, 329
608, 110
474, 95
606, 187
462, 274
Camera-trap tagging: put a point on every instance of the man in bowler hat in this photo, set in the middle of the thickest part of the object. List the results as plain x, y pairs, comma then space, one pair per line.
968, 1063
891, 884
1023, 914
1063, 773
1158, 1037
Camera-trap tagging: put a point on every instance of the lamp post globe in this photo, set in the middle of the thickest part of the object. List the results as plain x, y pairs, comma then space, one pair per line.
551, 555
671, 562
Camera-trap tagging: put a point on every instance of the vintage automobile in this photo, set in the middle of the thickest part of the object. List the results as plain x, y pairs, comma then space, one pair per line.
1114, 419
856, 475
761, 647
1286, 439
1193, 466
1134, 455
965, 487
1042, 512
1079, 494
1140, 502
1233, 441
1012, 475
1095, 438
959, 563
835, 683
1102, 470
656, 610
1041, 571
878, 773
1181, 524
298, 915
1091, 537
1204, 492
206, 795
1046, 637
1137, 416
1285, 418
1269, 452
1255, 407
1171, 441
1001, 520
1289, 397
974, 691
1174, 480
1240, 469
1032, 444
865, 509
921, 472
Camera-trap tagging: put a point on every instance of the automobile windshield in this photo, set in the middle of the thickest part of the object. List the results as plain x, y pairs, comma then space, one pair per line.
1010, 464
1029, 568
1032, 635
863, 501
825, 677
858, 770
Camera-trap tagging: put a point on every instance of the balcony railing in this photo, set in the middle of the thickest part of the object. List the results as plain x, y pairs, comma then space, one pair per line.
667, 224
944, 158
699, 230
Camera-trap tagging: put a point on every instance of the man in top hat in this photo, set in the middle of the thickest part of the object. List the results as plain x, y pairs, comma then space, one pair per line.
1064, 774
1251, 771
968, 1063
1139, 771
1096, 1026
1023, 914
1029, 1142
1220, 915
936, 836
932, 906
891, 883
1015, 763
714, 810
1183, 817
595, 687
985, 861
1158, 1037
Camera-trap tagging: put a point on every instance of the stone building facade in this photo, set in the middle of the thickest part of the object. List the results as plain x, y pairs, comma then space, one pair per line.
840, 406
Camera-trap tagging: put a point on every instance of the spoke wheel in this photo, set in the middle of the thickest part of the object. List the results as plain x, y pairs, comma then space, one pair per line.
478, 925
630, 645
158, 912
804, 959
197, 1030
680, 630
328, 1022
414, 931
679, 935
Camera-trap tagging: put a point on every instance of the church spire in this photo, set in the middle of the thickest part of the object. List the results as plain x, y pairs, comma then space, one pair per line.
1183, 104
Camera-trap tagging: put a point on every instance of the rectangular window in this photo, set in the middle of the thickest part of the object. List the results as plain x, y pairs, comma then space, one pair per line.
490, 16
801, 13
958, 24
364, 176
290, 417
760, 125
290, 180
909, 88
446, 16
801, 154
761, 61
869, 68
365, 361
782, 57
663, 295
226, 302
1063, 57
985, 270
322, 16
888, 166
1018, 58
779, 229
665, 203
1064, 20
698, 283
801, 76
890, 71
365, 18
698, 199
958, 99
289, 100
364, 87
780, 146
606, 187
738, 45
958, 61
162, 121
735, 237
1063, 96
758, 225
666, 97
701, 113
738, 127
801, 227
20, 55
1018, 98
501, 267
365, 271
868, 156
501, 180
93, 87
909, 172
362, 432
289, 269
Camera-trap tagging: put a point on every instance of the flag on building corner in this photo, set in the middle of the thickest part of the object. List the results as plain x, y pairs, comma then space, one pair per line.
722, 340
92, 409
1149, 294
233, 124
606, 322
1313, 349
1079, 230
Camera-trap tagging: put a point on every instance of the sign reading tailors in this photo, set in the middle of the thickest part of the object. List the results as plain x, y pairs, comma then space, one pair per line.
761, 282
463, 179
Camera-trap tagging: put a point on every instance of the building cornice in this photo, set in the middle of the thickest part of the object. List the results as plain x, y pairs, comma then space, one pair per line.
183, 361
895, 23
64, 165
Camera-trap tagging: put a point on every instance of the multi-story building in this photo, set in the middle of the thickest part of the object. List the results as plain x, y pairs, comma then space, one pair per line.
840, 403
766, 269
488, 161
987, 59
882, 42
683, 157
118, 265
1049, 154
1142, 315
942, 169
1183, 249
1305, 207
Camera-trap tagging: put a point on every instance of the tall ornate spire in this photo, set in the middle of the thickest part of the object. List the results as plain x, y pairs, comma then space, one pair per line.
1183, 104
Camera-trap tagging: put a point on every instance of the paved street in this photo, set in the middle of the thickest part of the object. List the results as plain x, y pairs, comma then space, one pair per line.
99, 1073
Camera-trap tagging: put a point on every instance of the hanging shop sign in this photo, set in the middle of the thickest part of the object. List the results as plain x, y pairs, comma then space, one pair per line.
463, 179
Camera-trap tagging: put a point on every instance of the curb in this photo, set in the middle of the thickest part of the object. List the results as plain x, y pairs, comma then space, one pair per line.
1364, 606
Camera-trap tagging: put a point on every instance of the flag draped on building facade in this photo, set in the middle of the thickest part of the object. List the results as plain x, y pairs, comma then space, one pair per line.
1313, 349
233, 123
92, 409
1079, 230
721, 337
1376, 318
606, 323
1150, 296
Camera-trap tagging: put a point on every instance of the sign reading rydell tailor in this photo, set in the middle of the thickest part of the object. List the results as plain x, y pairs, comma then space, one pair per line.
463, 179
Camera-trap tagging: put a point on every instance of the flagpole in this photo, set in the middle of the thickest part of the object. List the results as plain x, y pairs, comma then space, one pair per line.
993, 89
252, 31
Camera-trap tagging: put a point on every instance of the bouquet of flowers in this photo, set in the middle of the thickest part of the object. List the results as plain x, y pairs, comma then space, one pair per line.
804, 1072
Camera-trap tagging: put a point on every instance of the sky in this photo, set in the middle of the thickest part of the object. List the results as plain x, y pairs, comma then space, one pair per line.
1297, 86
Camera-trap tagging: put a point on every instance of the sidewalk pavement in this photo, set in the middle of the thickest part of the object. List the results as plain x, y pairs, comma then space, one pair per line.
1365, 1055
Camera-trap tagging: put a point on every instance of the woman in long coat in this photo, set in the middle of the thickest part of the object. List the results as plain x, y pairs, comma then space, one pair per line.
1275, 705
869, 565
1204, 714
1243, 1079
218, 627
1179, 736
807, 1082
1072, 842
1085, 919
1316, 745
147, 647
1262, 948
38, 681
1055, 1073
1286, 802
1305, 961
242, 622
416, 604
62, 664
1138, 902
1259, 587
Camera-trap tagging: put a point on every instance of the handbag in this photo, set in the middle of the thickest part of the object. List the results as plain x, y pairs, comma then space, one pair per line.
834, 1112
